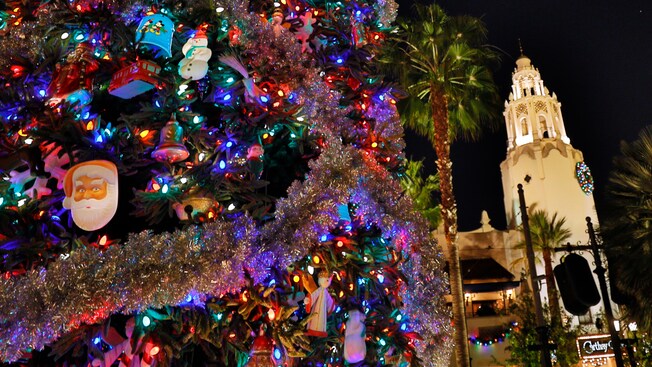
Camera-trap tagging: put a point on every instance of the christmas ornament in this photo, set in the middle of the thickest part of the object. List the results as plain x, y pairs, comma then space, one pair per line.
156, 30
261, 351
358, 33
91, 190
304, 33
254, 157
354, 337
134, 79
198, 202
277, 21
252, 92
40, 170
72, 81
343, 212
170, 148
234, 35
320, 304
194, 65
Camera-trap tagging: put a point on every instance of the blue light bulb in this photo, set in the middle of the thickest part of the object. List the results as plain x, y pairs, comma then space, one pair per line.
222, 164
227, 97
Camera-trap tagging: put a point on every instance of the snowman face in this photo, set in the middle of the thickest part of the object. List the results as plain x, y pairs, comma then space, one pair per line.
194, 42
198, 42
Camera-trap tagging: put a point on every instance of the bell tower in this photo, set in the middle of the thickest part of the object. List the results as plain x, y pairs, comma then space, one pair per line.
540, 156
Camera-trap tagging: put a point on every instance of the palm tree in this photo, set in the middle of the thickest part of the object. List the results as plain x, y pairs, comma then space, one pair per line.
451, 92
627, 232
547, 234
421, 191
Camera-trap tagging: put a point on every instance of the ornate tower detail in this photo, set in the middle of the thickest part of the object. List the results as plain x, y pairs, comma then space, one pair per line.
540, 156
531, 113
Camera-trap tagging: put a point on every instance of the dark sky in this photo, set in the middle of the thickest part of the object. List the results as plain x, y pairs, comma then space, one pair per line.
594, 54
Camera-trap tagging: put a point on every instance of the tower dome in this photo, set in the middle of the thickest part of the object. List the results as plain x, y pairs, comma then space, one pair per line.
523, 63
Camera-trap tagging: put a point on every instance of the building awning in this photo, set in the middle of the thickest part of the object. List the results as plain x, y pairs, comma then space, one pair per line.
490, 287
485, 275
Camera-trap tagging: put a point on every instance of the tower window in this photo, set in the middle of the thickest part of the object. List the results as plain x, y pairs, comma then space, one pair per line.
524, 129
543, 126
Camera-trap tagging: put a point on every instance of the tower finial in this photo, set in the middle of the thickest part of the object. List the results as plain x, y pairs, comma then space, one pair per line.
520, 46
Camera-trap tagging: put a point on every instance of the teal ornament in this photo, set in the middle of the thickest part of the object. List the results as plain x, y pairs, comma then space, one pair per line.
343, 212
156, 30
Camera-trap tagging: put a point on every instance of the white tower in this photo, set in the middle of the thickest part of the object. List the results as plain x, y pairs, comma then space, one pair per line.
540, 156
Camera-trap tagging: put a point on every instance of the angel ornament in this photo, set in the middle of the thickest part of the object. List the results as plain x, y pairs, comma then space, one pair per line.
319, 303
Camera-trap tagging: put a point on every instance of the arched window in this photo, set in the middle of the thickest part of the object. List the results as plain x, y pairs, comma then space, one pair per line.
524, 129
543, 127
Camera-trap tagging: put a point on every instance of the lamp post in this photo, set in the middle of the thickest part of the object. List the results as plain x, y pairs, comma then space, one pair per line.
599, 271
629, 344
542, 328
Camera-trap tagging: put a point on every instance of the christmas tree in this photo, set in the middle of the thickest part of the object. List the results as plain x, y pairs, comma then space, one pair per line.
208, 183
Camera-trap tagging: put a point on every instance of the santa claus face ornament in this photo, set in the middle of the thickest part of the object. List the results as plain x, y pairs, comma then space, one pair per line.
91, 190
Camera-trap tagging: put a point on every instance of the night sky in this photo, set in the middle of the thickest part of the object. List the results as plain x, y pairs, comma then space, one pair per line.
594, 54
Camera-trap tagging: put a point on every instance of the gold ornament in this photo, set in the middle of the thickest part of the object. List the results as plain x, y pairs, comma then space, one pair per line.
170, 148
200, 203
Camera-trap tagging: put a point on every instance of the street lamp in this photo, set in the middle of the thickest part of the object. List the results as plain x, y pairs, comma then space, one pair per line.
630, 342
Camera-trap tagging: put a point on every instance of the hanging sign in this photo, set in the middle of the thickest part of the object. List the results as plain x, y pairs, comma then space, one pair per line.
595, 346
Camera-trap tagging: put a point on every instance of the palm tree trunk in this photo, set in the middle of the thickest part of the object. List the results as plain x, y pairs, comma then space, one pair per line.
553, 297
439, 107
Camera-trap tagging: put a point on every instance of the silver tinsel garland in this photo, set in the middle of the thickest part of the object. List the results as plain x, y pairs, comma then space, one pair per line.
151, 270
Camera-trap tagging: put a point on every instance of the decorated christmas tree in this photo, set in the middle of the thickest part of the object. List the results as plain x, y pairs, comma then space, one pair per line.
208, 183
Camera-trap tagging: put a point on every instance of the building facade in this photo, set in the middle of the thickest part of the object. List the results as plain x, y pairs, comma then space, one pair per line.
556, 179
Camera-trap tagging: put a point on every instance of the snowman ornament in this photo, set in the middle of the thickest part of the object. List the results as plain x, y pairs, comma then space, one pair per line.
194, 65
